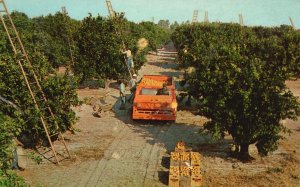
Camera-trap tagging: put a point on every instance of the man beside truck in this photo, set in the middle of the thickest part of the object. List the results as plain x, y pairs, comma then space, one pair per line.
122, 94
132, 87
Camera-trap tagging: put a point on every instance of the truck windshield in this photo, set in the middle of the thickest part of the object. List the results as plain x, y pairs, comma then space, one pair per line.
153, 91
148, 91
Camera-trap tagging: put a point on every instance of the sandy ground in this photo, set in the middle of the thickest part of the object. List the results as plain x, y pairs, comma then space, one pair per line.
116, 151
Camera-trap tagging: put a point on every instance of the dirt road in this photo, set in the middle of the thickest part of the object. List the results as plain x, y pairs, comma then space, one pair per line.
115, 151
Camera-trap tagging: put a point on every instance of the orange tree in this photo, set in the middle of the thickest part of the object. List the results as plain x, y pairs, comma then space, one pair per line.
239, 80
54, 37
50, 35
98, 54
18, 118
153, 33
99, 42
59, 90
8, 131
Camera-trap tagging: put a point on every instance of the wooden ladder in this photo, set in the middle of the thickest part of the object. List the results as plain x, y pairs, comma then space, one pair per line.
206, 17
292, 23
195, 16
47, 117
241, 20
111, 12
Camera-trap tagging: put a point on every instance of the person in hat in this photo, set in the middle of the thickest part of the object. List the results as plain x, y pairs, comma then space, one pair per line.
132, 87
164, 90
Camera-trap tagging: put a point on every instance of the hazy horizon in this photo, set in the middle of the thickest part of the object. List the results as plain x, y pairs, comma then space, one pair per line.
255, 12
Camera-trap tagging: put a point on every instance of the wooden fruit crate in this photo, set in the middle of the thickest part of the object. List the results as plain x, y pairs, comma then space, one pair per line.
99, 110
185, 168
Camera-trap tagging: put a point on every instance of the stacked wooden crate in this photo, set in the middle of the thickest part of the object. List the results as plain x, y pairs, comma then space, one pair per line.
185, 169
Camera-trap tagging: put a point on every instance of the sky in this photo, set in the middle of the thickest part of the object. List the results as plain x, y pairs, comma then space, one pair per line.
255, 12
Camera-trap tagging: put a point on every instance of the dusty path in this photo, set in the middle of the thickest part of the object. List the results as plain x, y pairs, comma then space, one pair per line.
115, 151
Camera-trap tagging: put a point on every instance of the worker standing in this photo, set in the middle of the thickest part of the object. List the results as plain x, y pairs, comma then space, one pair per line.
164, 90
132, 87
129, 59
122, 94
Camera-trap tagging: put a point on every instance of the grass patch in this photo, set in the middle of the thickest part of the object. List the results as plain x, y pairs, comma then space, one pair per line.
275, 170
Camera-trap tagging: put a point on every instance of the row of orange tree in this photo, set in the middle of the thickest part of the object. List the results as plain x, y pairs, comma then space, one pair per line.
90, 48
238, 80
17, 111
18, 118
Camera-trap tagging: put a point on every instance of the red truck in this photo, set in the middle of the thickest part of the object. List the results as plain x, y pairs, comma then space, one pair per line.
155, 99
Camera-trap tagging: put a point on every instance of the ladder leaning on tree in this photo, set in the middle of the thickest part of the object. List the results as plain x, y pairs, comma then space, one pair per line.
241, 19
292, 23
195, 16
47, 117
112, 15
111, 11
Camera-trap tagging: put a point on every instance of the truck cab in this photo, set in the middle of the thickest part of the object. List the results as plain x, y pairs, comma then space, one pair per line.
155, 99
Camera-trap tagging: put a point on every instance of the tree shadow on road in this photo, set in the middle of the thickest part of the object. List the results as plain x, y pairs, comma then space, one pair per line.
165, 162
165, 63
176, 74
163, 177
298, 130
166, 135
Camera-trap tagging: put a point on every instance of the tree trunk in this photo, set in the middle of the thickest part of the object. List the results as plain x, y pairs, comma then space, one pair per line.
244, 153
188, 102
10, 103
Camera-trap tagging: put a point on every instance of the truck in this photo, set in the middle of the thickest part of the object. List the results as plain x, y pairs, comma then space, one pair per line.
150, 103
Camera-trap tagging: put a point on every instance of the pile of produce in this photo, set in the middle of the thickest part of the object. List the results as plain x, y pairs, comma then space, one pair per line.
151, 82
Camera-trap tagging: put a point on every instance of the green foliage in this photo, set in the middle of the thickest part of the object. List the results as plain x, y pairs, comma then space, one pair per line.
35, 157
49, 41
239, 79
8, 131
63, 95
24, 121
100, 40
99, 47
59, 91
90, 47
10, 179
132, 32
156, 35
164, 24
174, 26
21, 20
51, 35
55, 37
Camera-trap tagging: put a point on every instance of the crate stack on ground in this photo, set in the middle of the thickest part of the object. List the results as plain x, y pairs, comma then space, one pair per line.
185, 169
